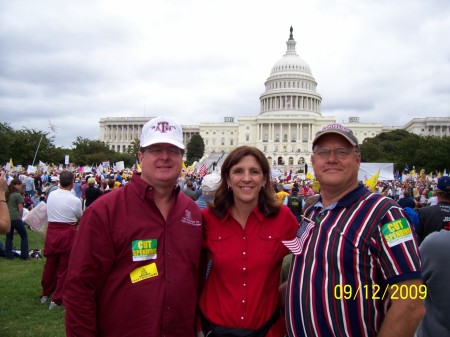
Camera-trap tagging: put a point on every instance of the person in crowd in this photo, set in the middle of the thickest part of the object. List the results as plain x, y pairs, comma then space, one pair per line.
5, 220
29, 185
435, 255
294, 203
92, 193
36, 199
104, 185
38, 183
54, 185
64, 212
435, 218
111, 182
190, 189
352, 247
84, 186
77, 188
14, 200
136, 266
433, 200
308, 191
407, 200
244, 229
281, 193
210, 184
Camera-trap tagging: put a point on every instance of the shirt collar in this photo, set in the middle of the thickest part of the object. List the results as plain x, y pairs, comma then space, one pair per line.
347, 200
255, 211
143, 189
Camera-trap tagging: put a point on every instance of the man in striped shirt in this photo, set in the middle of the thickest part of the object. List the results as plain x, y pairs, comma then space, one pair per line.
356, 266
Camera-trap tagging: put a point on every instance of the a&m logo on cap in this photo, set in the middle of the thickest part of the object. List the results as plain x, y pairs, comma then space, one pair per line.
163, 127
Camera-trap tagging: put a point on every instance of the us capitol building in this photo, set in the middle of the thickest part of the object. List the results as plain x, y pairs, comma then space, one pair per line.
289, 117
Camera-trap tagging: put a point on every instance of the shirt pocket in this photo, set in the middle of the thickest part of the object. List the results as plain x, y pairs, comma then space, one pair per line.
220, 244
269, 241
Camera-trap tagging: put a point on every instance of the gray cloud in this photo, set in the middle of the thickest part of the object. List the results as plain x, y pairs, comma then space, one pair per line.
199, 61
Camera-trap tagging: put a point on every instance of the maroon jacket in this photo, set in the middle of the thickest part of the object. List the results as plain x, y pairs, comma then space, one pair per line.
124, 232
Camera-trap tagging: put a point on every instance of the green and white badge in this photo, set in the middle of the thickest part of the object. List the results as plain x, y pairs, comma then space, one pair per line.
397, 232
144, 249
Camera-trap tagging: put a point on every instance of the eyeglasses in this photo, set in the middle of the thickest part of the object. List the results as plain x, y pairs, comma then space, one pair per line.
341, 153
171, 151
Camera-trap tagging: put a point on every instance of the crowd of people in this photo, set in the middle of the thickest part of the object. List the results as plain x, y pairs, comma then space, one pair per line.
239, 252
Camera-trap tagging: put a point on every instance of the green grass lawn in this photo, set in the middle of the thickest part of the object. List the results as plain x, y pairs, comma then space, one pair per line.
21, 314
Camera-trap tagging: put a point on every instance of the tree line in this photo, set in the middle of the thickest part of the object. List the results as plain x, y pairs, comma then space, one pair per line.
399, 147
21, 145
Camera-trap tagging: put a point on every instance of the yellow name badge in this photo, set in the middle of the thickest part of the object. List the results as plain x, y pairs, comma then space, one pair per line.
143, 273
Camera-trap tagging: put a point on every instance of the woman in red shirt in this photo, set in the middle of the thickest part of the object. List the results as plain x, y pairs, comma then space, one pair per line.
243, 233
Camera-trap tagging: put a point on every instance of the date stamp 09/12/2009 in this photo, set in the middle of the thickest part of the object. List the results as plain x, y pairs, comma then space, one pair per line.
375, 292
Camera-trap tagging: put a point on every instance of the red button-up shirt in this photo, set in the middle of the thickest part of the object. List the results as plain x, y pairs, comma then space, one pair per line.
242, 287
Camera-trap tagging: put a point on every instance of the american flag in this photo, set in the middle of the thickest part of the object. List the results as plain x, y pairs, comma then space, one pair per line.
202, 171
296, 245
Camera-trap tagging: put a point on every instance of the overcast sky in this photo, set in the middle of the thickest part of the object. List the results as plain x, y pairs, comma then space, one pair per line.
74, 62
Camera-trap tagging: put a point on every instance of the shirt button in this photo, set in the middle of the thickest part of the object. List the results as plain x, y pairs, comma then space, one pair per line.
243, 238
243, 301
244, 253
270, 236
245, 284
244, 268
242, 317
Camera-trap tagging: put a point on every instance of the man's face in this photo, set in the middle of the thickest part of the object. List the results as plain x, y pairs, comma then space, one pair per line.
161, 164
335, 162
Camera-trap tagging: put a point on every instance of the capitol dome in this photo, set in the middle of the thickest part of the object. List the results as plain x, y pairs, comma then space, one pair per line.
291, 62
291, 87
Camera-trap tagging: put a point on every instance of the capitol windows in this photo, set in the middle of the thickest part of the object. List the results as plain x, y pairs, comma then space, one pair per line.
206, 141
231, 142
285, 138
222, 141
247, 137
266, 137
277, 137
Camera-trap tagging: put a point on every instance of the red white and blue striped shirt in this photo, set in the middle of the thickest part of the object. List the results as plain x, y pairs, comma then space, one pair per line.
355, 250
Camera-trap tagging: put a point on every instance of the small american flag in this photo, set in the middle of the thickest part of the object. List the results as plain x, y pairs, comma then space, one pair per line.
202, 172
296, 245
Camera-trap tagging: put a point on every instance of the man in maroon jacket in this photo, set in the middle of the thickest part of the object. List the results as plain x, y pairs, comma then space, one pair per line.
134, 265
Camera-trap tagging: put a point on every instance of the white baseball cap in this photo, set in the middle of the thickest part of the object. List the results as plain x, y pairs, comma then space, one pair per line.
162, 130
211, 182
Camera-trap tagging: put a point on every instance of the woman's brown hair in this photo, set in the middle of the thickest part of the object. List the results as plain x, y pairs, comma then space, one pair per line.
268, 202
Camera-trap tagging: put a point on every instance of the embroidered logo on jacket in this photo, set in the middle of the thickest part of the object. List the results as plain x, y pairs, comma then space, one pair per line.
187, 218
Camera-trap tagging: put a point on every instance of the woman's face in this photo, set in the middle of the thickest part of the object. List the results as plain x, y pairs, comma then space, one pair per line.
246, 179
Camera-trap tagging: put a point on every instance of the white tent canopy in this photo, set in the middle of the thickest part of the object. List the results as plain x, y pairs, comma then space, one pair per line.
367, 170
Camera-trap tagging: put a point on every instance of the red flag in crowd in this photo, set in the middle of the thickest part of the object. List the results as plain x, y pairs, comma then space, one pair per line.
202, 171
